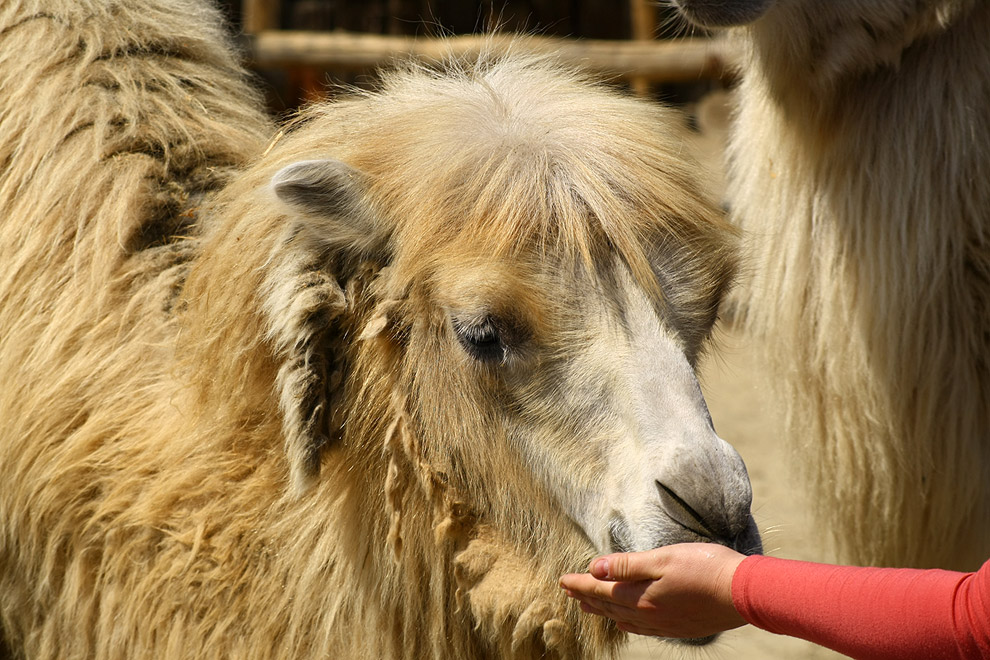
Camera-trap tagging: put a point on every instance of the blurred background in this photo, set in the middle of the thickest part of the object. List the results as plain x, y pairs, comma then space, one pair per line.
299, 46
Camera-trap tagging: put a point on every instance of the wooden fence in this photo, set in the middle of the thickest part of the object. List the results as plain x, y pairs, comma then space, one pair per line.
642, 61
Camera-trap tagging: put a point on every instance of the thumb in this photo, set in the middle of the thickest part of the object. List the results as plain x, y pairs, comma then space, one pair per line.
626, 567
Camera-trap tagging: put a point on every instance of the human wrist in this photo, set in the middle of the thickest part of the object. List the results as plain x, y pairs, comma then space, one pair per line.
724, 581
739, 584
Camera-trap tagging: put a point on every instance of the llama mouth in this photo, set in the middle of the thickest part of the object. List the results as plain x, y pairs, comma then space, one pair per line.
620, 536
619, 541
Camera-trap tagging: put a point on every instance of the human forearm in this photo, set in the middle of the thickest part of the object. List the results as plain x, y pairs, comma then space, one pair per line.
866, 613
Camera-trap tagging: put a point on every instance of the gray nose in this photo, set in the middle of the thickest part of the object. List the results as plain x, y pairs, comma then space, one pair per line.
731, 525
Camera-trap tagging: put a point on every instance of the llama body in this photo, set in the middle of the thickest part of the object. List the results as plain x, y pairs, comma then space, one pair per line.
860, 171
364, 386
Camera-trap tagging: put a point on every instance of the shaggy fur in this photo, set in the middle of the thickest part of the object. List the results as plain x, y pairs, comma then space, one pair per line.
232, 428
860, 170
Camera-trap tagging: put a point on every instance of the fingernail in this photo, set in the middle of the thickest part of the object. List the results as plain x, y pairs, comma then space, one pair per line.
601, 568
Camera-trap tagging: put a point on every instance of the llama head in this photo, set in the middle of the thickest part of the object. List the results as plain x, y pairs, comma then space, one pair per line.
816, 44
873, 16
718, 13
544, 274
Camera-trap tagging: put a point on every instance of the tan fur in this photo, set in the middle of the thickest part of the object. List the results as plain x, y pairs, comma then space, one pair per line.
860, 170
178, 348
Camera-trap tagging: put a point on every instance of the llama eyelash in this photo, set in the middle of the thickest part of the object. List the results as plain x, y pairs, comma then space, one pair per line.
483, 341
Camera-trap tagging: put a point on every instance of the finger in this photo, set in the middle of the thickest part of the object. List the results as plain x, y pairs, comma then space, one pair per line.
580, 583
637, 630
584, 587
628, 594
570, 580
627, 566
617, 613
588, 607
610, 609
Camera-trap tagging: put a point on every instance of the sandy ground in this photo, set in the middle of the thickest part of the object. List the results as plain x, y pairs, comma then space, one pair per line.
745, 417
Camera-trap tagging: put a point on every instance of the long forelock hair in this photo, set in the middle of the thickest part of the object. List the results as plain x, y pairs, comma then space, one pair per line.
514, 154
522, 154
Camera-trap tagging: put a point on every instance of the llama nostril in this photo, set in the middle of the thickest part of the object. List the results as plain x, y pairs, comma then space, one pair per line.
685, 515
741, 535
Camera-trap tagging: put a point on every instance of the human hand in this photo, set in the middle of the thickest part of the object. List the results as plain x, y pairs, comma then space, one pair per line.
680, 591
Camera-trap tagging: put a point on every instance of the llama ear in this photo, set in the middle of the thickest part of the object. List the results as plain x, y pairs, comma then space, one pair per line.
318, 187
332, 237
330, 195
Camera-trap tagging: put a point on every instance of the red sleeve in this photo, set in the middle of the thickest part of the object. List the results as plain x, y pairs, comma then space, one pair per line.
869, 613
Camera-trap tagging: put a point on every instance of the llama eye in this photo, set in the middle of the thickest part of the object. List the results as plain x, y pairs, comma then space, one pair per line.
482, 341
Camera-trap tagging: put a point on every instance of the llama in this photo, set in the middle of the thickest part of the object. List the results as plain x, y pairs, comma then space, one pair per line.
860, 170
365, 388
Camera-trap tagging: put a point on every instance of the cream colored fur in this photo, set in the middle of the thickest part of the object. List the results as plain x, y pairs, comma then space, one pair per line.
232, 429
860, 172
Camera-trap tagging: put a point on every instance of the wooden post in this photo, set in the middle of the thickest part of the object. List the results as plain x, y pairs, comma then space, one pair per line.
260, 15
643, 16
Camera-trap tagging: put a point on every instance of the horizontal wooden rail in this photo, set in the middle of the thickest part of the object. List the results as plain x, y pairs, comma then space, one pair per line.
658, 61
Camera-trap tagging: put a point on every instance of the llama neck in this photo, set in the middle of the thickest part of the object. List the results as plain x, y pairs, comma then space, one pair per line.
865, 215
811, 59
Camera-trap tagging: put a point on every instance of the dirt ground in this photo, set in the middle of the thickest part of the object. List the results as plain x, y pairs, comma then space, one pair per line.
745, 417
